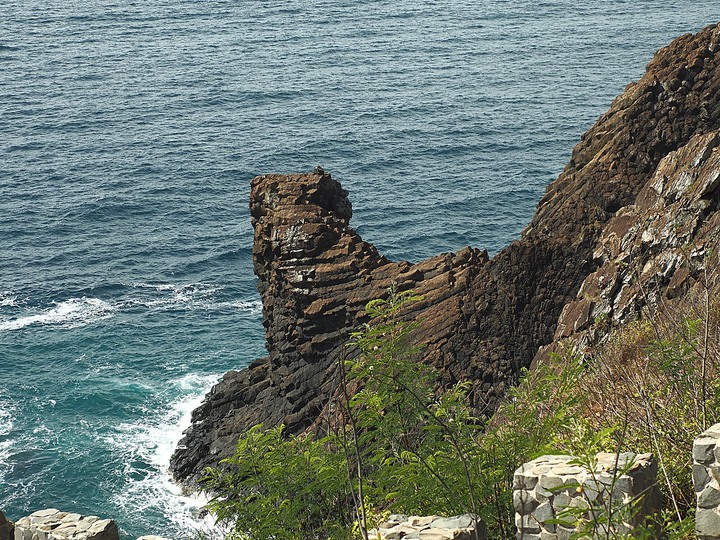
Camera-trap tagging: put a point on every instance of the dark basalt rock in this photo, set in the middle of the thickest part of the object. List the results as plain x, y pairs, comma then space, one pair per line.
481, 319
315, 275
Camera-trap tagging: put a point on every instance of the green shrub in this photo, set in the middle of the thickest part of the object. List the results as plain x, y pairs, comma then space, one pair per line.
282, 488
394, 442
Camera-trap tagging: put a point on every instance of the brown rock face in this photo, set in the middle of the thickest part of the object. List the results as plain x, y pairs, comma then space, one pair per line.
315, 275
652, 252
481, 320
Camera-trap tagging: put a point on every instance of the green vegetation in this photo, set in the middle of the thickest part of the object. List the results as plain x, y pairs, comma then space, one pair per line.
391, 442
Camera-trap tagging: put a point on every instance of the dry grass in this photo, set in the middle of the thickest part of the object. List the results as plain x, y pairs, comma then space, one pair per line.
659, 377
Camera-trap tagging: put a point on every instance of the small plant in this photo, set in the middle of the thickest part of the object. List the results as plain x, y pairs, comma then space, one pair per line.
395, 442
421, 440
604, 508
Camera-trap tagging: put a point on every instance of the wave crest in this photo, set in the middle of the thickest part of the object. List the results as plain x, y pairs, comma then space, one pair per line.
72, 313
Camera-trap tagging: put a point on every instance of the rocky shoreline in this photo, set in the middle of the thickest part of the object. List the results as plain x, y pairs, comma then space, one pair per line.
483, 319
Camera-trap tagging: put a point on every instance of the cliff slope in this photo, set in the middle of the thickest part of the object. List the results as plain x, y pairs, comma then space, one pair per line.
482, 319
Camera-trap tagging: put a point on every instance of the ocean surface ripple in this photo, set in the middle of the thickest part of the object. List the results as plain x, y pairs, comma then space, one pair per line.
130, 131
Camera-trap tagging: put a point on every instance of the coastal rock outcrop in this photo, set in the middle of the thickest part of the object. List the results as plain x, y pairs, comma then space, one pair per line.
315, 275
482, 319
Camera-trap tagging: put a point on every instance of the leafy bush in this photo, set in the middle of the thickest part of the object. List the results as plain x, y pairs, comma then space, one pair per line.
393, 444
283, 488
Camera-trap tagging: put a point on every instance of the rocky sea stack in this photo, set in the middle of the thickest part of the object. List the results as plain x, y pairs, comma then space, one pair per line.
631, 221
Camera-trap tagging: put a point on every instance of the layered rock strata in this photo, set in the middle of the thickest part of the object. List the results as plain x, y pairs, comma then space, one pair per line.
482, 320
315, 276
652, 252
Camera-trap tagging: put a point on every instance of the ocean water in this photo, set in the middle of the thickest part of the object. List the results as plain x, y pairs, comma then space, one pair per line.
129, 132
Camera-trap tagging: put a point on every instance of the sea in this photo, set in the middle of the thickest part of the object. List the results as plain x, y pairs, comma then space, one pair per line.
129, 131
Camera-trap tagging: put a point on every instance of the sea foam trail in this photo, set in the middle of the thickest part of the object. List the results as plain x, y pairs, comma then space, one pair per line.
147, 448
188, 296
72, 313
79, 312
7, 299
6, 426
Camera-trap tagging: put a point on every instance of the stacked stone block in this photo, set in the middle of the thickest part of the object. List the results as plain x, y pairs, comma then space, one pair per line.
52, 524
429, 528
706, 479
554, 486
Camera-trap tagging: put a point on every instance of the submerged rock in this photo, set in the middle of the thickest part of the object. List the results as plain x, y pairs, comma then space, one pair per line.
482, 320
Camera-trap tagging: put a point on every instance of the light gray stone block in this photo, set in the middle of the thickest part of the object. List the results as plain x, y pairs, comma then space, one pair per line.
543, 513
709, 497
561, 482
523, 501
706, 475
700, 476
704, 450
707, 523
523, 481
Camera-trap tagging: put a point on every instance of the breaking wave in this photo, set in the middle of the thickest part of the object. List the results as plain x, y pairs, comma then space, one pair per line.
72, 313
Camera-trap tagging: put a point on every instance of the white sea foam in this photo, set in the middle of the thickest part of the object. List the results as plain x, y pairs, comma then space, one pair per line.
6, 426
201, 296
148, 449
7, 299
6, 419
72, 313
253, 307
174, 296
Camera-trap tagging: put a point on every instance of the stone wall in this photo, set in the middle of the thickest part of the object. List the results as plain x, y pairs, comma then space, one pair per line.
429, 528
52, 524
556, 487
706, 478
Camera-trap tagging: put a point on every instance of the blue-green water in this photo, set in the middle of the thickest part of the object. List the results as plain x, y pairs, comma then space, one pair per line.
129, 132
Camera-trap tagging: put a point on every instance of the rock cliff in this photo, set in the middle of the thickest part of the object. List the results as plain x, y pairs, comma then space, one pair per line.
482, 319
654, 251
